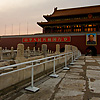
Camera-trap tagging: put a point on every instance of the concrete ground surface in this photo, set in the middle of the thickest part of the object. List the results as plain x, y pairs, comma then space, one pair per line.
81, 82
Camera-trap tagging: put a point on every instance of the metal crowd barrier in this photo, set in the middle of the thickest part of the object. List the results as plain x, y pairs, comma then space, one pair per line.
54, 58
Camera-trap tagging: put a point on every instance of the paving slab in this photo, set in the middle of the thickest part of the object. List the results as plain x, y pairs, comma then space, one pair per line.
70, 89
93, 74
99, 62
69, 95
75, 73
94, 67
88, 57
95, 98
77, 66
90, 60
80, 60
97, 58
79, 63
45, 92
72, 84
73, 76
94, 86
82, 57
74, 70
25, 97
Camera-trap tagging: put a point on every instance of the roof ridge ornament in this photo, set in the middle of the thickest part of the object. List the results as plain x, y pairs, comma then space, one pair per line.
55, 9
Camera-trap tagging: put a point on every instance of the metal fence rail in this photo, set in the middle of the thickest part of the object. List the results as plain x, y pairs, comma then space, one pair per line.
74, 55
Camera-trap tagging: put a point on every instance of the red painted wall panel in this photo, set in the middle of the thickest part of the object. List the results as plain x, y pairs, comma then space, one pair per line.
10, 42
78, 41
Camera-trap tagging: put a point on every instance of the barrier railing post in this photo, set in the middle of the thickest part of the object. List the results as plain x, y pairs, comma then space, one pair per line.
80, 53
66, 67
74, 55
54, 73
32, 88
72, 59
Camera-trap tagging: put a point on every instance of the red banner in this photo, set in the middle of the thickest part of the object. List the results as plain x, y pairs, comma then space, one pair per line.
47, 39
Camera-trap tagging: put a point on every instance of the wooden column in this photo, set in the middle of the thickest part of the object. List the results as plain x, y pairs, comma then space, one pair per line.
44, 30
98, 27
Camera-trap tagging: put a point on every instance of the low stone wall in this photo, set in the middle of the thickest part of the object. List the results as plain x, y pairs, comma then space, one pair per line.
40, 70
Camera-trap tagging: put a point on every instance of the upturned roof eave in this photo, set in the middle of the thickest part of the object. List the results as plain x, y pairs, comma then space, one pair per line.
47, 17
74, 11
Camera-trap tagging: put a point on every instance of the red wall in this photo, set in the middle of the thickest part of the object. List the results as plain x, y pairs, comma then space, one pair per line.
10, 42
78, 41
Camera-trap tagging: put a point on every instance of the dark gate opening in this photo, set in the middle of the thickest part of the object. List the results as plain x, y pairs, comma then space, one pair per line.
62, 49
91, 51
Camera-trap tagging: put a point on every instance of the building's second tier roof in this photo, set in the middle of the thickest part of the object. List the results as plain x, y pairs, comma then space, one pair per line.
74, 21
75, 11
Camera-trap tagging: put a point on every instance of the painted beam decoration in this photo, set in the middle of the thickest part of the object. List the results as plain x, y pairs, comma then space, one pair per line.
47, 39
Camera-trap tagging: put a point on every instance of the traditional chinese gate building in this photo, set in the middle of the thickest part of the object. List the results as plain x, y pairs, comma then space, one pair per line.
64, 26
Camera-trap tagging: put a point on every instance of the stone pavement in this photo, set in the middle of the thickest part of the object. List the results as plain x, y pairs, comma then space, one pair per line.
81, 82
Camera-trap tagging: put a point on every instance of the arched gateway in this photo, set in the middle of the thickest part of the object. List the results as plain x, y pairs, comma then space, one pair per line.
91, 50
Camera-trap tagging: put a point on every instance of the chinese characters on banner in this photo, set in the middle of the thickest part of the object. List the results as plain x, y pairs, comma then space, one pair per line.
47, 39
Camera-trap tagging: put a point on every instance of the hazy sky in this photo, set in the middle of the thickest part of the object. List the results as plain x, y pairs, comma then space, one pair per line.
17, 15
